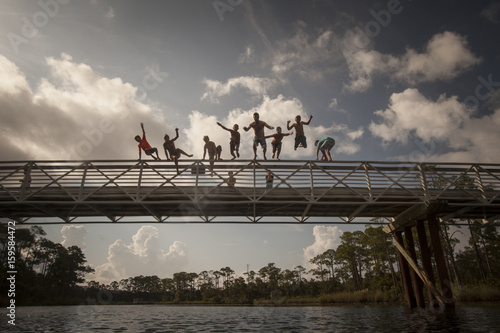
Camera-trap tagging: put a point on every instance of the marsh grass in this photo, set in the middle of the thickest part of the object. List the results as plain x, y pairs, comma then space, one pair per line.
477, 293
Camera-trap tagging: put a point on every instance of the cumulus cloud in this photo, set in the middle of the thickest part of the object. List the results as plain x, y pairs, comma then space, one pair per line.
276, 112
411, 112
254, 85
74, 235
75, 113
325, 238
143, 256
444, 123
446, 56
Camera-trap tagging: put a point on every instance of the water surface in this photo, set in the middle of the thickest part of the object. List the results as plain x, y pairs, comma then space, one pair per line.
162, 318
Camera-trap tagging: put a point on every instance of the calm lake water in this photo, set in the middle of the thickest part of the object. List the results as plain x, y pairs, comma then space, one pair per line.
159, 318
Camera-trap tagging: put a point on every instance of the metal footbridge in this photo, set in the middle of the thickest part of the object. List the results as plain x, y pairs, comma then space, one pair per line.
147, 191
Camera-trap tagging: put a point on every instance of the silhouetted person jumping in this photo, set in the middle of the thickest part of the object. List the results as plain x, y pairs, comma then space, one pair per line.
300, 138
258, 127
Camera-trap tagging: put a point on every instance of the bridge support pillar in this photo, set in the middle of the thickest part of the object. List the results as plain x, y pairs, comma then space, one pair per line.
444, 278
413, 277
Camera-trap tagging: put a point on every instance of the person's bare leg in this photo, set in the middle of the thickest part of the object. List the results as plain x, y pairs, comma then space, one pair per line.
184, 153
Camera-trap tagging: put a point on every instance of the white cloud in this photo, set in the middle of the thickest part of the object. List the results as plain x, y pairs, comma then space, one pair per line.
256, 86
444, 123
74, 235
410, 111
325, 238
76, 113
446, 56
143, 256
12, 81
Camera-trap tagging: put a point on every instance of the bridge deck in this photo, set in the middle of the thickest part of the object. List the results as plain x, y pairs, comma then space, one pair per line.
339, 192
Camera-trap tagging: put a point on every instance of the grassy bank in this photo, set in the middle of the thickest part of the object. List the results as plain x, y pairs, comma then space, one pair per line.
364, 296
479, 293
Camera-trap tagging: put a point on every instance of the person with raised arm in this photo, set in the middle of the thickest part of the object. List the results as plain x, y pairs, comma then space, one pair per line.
300, 138
175, 153
144, 145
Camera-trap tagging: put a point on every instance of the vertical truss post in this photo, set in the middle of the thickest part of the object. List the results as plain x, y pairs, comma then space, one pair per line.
423, 182
405, 273
368, 183
426, 260
417, 283
84, 179
444, 279
479, 181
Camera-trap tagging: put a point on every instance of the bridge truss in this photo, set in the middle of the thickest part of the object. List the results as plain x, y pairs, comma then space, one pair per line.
126, 191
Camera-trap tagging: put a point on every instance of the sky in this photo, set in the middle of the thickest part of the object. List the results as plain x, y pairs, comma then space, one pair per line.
389, 80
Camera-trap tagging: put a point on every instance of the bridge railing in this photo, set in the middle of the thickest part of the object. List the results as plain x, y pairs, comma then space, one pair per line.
422, 179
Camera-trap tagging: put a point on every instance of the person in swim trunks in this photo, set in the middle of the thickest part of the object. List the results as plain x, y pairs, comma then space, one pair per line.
276, 143
259, 139
300, 139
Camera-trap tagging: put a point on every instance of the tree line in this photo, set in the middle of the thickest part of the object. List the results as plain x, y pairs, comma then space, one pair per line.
49, 273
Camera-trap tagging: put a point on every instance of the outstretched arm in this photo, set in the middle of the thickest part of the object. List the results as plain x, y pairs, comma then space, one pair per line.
307, 123
143, 132
268, 126
224, 127
247, 128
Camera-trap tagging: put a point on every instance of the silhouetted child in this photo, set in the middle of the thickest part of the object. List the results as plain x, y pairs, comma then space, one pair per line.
218, 152
276, 143
258, 127
175, 153
211, 148
144, 145
300, 139
234, 142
